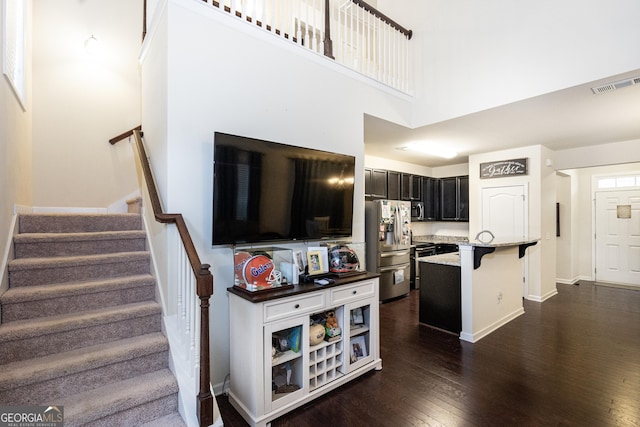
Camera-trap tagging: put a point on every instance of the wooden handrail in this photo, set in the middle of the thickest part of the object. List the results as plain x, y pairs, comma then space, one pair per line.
366, 6
204, 278
124, 135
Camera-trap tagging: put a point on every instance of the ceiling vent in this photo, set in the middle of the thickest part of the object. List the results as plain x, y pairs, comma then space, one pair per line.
610, 87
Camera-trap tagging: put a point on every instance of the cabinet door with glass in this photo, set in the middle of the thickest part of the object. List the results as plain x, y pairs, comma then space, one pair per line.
285, 361
360, 348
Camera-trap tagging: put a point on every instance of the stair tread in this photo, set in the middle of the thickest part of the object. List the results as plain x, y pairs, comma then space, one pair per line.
58, 290
171, 420
28, 328
78, 222
57, 365
119, 396
71, 261
79, 236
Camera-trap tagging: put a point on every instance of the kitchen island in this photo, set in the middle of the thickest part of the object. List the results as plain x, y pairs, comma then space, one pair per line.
490, 285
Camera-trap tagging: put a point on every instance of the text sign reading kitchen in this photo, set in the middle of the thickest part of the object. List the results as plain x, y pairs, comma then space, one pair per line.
503, 168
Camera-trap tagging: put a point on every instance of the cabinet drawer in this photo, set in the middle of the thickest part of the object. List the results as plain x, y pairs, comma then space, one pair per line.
345, 294
294, 306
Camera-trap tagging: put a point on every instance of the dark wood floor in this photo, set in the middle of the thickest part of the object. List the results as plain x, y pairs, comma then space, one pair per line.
573, 360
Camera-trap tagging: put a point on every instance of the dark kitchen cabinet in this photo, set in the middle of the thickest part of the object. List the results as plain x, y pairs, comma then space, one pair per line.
431, 198
440, 297
393, 185
463, 198
375, 184
411, 186
454, 198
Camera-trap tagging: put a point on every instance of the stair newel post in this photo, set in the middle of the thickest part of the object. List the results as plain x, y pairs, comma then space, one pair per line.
328, 44
204, 283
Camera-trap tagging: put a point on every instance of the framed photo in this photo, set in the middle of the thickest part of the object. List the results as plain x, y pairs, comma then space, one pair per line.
323, 258
314, 262
298, 261
358, 348
357, 317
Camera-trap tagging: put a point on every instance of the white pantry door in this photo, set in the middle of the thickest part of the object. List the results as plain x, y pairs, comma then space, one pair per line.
504, 213
617, 255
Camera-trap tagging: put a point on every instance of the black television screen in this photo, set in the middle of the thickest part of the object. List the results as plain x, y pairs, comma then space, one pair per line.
266, 191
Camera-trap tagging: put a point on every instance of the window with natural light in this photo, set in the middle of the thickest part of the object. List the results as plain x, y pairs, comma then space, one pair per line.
619, 182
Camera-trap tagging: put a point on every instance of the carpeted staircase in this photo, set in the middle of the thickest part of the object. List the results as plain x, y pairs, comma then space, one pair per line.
80, 326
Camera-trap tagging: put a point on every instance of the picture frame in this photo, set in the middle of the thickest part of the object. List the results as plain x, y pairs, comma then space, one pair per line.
357, 317
358, 348
314, 262
323, 258
298, 261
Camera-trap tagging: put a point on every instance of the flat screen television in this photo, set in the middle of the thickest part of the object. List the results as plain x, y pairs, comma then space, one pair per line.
267, 192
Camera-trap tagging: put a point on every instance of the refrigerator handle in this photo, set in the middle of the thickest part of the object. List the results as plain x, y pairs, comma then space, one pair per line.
395, 267
390, 254
397, 226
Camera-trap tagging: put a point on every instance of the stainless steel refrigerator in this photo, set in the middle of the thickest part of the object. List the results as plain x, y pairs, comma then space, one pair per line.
388, 241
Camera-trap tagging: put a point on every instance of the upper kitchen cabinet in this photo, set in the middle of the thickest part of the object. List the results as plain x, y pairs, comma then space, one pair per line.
431, 198
375, 184
411, 186
454, 198
393, 185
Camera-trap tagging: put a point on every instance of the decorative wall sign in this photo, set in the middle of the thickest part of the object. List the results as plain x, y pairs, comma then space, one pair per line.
503, 168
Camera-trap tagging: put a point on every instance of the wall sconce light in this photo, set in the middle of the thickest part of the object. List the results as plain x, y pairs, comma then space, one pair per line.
91, 45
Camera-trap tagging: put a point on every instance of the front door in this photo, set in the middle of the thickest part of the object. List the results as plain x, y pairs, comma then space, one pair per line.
617, 254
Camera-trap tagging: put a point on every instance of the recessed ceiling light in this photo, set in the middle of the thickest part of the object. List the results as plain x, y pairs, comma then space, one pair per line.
430, 149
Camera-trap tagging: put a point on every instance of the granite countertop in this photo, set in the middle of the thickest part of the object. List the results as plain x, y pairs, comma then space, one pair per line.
452, 258
438, 239
500, 242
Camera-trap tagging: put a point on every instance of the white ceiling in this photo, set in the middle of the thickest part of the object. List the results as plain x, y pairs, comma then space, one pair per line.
569, 118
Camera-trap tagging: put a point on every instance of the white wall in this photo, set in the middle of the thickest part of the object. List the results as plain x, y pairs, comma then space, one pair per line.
81, 101
566, 271
598, 155
15, 149
478, 55
226, 76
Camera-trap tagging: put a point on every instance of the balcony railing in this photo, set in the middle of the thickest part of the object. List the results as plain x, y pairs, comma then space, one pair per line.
351, 32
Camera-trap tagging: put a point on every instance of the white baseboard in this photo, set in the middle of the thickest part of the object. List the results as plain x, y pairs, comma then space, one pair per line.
568, 281
8, 253
475, 337
544, 297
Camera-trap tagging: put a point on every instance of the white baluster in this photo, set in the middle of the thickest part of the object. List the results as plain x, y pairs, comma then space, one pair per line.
362, 43
232, 7
179, 291
299, 32
315, 28
192, 317
188, 296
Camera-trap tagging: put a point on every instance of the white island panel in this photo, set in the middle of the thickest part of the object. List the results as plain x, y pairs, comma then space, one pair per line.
491, 293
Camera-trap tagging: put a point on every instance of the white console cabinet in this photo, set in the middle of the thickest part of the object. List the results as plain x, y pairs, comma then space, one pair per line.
264, 387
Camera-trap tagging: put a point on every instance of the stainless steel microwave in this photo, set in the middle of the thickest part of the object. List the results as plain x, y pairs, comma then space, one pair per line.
417, 211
